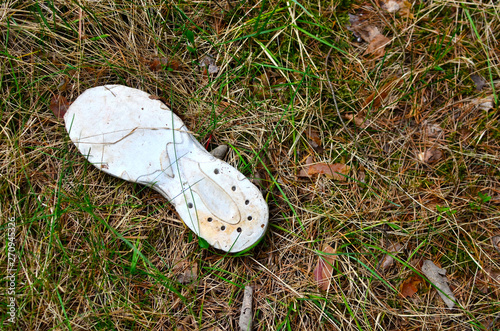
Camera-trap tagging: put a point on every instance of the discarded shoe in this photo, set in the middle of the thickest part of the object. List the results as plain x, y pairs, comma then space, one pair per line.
126, 133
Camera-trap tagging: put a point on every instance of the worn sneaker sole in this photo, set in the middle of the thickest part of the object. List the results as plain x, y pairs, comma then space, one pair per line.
130, 135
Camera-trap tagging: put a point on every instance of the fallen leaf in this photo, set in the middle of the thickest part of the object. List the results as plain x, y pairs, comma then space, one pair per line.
391, 6
403, 7
410, 286
479, 81
186, 272
257, 179
430, 156
387, 261
324, 269
495, 241
432, 130
363, 29
261, 85
334, 171
377, 45
314, 138
59, 105
494, 274
362, 177
466, 135
377, 97
484, 103
208, 63
63, 84
360, 26
161, 63
488, 281
437, 277
358, 120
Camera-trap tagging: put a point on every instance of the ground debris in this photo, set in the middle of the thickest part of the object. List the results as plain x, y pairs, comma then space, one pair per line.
402, 7
387, 261
158, 64
479, 81
410, 286
220, 151
485, 104
335, 171
245, 321
376, 99
186, 271
313, 137
358, 119
324, 268
59, 105
430, 155
432, 130
437, 277
208, 65
495, 241
363, 29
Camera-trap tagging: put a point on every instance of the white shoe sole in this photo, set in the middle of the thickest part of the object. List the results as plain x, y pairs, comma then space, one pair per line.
127, 134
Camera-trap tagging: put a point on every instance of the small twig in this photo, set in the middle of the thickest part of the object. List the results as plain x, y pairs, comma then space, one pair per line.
246, 310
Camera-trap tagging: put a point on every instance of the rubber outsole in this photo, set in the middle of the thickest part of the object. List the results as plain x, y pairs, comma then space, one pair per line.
127, 133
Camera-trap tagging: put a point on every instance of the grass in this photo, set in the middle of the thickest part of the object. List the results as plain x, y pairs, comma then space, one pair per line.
94, 252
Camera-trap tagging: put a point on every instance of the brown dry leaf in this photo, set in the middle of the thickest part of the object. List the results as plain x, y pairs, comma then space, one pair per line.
377, 97
314, 138
410, 286
333, 171
360, 26
377, 45
358, 120
186, 271
430, 156
388, 260
432, 130
495, 241
59, 105
160, 63
324, 269
403, 7
494, 274
489, 281
405, 10
63, 84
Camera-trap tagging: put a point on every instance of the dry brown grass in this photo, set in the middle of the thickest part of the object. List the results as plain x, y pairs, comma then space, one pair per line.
79, 231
